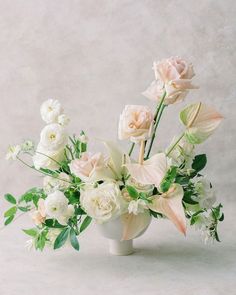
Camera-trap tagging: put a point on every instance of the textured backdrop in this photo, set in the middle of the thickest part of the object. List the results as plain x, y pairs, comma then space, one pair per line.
96, 56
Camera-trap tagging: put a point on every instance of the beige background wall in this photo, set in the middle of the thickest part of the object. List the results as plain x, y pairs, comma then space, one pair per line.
95, 56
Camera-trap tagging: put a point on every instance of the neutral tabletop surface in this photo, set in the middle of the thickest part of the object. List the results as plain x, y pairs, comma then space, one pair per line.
164, 263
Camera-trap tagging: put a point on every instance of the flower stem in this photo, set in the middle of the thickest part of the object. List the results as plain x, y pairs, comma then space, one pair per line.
42, 172
157, 118
175, 144
141, 152
131, 148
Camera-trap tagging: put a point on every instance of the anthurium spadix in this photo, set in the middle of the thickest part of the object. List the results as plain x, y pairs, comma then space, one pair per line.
151, 171
200, 121
170, 204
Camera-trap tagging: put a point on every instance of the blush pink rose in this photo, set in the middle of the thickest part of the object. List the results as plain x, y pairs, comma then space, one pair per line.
87, 165
39, 215
136, 122
173, 75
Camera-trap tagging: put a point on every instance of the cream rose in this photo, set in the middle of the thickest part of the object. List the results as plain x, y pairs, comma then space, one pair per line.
136, 122
173, 75
104, 202
53, 137
87, 166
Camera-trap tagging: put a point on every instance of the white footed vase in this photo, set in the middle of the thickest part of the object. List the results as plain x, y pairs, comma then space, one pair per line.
113, 230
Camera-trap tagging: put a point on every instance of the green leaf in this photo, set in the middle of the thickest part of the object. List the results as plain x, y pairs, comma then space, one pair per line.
222, 217
187, 198
53, 223
199, 162
169, 179
61, 238
87, 220
24, 209
132, 192
10, 198
73, 240
10, 212
40, 241
9, 220
33, 232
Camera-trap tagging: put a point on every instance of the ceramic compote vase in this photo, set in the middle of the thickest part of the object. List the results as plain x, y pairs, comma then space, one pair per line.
120, 236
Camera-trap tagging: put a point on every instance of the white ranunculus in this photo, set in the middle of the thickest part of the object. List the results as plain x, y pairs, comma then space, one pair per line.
47, 159
104, 202
63, 120
13, 152
51, 184
56, 204
53, 137
63, 219
27, 146
206, 195
50, 110
137, 206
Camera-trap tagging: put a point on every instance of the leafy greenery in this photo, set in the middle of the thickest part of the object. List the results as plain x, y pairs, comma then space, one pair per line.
73, 240
132, 192
199, 162
10, 198
86, 222
61, 238
168, 179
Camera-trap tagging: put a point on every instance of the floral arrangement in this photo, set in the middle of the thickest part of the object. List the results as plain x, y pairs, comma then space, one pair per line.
80, 186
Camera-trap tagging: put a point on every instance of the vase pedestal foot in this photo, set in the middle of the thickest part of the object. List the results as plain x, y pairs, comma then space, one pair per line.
121, 248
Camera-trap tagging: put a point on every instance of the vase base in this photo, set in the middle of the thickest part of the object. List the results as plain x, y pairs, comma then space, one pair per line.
121, 248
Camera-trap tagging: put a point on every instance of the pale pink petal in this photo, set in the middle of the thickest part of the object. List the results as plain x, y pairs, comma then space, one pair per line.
151, 171
134, 225
183, 84
170, 204
116, 157
201, 121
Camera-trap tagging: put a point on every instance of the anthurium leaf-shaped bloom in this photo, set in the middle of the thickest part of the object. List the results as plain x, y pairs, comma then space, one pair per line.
170, 204
134, 225
151, 171
200, 121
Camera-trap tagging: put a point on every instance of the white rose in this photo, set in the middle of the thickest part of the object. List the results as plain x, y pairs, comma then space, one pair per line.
56, 204
53, 137
47, 159
50, 110
104, 202
136, 122
51, 184
63, 120
137, 206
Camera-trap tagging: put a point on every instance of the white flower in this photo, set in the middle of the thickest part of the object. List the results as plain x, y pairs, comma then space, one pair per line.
13, 152
146, 188
29, 244
27, 146
53, 137
50, 110
206, 195
51, 184
47, 159
52, 235
63, 120
137, 206
56, 206
104, 202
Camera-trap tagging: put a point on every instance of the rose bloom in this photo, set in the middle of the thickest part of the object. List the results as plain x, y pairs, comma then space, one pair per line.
39, 215
104, 202
87, 165
136, 122
50, 110
173, 75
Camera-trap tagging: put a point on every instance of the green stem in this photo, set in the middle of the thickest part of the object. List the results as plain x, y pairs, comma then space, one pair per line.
157, 118
175, 144
131, 148
42, 172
